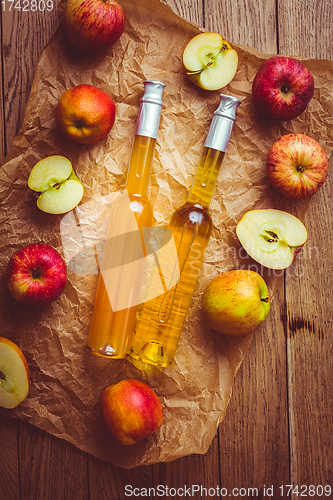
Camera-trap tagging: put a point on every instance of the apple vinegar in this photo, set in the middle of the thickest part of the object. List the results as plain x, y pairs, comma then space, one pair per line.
161, 321
115, 307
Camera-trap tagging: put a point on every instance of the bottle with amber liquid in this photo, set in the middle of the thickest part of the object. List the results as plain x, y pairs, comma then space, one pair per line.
162, 318
118, 288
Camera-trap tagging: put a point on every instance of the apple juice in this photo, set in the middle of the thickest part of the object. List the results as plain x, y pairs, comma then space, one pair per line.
162, 318
119, 282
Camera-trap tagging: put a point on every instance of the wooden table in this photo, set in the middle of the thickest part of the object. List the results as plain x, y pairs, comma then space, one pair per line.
279, 426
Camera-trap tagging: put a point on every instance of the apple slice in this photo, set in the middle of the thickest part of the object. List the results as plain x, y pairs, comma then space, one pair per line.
209, 61
58, 184
271, 237
14, 374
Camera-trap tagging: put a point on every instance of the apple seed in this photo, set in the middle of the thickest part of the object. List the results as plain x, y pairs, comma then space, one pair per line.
270, 237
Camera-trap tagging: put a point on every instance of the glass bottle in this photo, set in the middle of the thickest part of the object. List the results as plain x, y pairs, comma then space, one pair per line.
117, 295
156, 337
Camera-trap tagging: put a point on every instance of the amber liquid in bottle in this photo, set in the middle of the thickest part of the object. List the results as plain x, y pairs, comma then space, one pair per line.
162, 318
111, 331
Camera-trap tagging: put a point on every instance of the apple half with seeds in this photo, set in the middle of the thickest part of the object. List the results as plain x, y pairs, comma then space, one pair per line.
59, 187
14, 374
209, 61
271, 237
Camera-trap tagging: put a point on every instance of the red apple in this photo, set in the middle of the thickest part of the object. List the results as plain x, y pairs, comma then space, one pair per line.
282, 88
296, 165
130, 411
14, 374
236, 302
36, 274
85, 114
94, 25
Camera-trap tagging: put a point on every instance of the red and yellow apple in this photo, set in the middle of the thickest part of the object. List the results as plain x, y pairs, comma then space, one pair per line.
282, 88
58, 186
131, 411
296, 166
36, 274
93, 26
271, 237
14, 374
85, 114
236, 302
209, 61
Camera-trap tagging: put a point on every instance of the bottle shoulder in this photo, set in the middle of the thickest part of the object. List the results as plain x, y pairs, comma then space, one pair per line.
194, 213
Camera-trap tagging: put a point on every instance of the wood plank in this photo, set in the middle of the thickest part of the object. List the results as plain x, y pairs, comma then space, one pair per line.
9, 464
200, 473
50, 468
108, 481
244, 22
21, 50
306, 30
254, 445
192, 10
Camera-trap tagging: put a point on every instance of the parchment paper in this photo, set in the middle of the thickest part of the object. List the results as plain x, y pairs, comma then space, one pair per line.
67, 380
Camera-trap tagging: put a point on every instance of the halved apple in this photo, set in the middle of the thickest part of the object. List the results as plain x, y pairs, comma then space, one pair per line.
209, 61
14, 374
60, 189
271, 237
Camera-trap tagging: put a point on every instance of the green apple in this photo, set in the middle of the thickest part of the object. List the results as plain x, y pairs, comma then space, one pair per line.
271, 237
14, 374
209, 61
60, 189
236, 302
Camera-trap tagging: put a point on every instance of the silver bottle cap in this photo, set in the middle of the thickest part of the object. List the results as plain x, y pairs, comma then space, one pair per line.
222, 123
150, 109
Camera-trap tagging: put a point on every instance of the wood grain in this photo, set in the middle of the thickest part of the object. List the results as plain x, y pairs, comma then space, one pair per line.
244, 22
278, 427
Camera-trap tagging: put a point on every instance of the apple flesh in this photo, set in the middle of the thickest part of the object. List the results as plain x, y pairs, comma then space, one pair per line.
36, 274
14, 374
296, 166
236, 302
131, 411
282, 88
209, 61
271, 237
60, 189
93, 26
85, 114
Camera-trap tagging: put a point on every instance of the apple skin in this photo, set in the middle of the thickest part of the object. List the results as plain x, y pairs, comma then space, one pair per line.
296, 165
131, 411
36, 274
236, 302
93, 26
85, 114
282, 88
19, 393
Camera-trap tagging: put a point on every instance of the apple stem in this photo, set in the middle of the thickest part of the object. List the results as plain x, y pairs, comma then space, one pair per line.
36, 274
2, 376
284, 88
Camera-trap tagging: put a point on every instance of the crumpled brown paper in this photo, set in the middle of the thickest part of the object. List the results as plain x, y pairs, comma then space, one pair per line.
67, 380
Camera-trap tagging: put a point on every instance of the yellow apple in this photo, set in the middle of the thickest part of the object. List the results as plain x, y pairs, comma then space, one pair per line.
236, 302
14, 374
271, 237
209, 61
60, 189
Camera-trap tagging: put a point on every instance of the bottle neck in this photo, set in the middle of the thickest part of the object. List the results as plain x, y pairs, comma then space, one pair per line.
205, 177
140, 165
